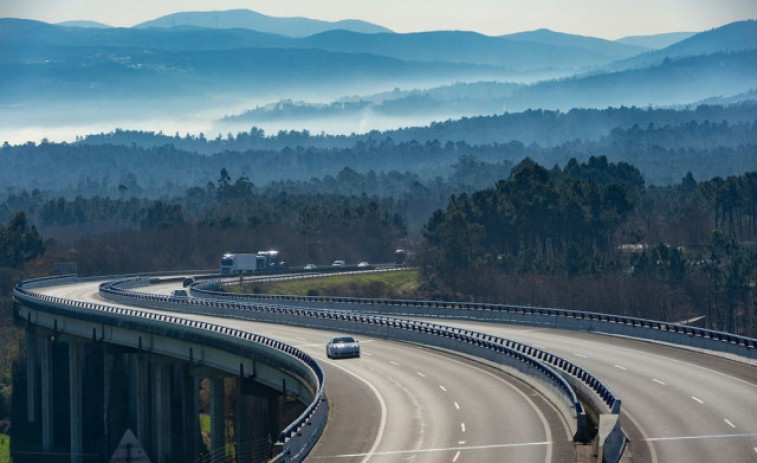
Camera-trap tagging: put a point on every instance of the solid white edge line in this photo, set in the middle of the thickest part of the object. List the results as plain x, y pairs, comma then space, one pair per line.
382, 423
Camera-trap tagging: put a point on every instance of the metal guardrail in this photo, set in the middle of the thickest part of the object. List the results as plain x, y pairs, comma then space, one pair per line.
296, 439
559, 318
525, 360
608, 401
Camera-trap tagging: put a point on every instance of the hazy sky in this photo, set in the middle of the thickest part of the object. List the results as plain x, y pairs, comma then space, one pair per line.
600, 18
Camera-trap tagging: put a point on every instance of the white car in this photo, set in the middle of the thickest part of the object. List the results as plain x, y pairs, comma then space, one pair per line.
311, 267
342, 346
338, 263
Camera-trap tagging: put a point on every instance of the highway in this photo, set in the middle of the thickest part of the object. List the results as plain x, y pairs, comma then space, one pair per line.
401, 402
678, 405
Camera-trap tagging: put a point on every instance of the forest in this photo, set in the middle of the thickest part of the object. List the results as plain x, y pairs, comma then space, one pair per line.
590, 235
664, 145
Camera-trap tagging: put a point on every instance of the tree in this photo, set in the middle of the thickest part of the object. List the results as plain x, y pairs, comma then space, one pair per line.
19, 242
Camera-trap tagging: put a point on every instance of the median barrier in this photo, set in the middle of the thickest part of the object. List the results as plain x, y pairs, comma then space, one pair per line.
521, 364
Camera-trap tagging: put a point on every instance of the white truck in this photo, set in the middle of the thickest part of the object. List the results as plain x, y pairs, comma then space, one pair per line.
247, 263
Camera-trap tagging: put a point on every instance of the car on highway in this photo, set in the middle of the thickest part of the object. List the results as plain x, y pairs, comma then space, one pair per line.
188, 281
182, 293
311, 267
364, 265
338, 263
342, 346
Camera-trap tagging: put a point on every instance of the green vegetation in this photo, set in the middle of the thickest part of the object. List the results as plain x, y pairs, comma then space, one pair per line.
5, 448
591, 237
397, 284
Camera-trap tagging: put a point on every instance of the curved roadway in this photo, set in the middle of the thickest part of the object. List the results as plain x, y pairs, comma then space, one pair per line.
401, 402
678, 405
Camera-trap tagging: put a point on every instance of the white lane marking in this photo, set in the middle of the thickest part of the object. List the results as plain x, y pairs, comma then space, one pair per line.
581, 355
457, 405
697, 399
448, 449
661, 383
461, 442
442, 388
755, 450
728, 422
394, 363
547, 428
457, 455
620, 367
421, 374
367, 353
382, 423
711, 436
462, 427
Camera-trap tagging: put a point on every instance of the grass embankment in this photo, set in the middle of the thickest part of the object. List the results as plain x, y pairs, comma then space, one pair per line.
398, 284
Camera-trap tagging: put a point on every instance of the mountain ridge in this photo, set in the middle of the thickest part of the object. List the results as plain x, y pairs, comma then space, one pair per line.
249, 19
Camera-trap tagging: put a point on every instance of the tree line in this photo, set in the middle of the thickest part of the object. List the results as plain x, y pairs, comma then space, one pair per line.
591, 236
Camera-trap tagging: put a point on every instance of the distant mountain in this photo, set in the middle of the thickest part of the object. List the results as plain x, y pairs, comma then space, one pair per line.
89, 24
733, 37
655, 41
528, 52
672, 82
247, 19
599, 47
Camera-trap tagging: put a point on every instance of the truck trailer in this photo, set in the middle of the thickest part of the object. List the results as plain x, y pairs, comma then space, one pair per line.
248, 263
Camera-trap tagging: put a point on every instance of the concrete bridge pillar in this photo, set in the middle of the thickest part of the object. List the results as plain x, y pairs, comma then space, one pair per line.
190, 413
217, 420
46, 383
242, 430
32, 374
75, 362
162, 410
141, 393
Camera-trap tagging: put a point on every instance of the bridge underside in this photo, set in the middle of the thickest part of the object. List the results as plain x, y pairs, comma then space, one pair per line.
82, 395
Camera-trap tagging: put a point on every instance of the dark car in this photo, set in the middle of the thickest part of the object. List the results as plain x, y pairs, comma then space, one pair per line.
188, 281
342, 346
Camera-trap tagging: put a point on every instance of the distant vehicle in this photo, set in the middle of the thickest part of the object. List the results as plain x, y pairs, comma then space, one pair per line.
338, 263
364, 265
311, 267
342, 346
400, 257
182, 293
188, 281
247, 263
